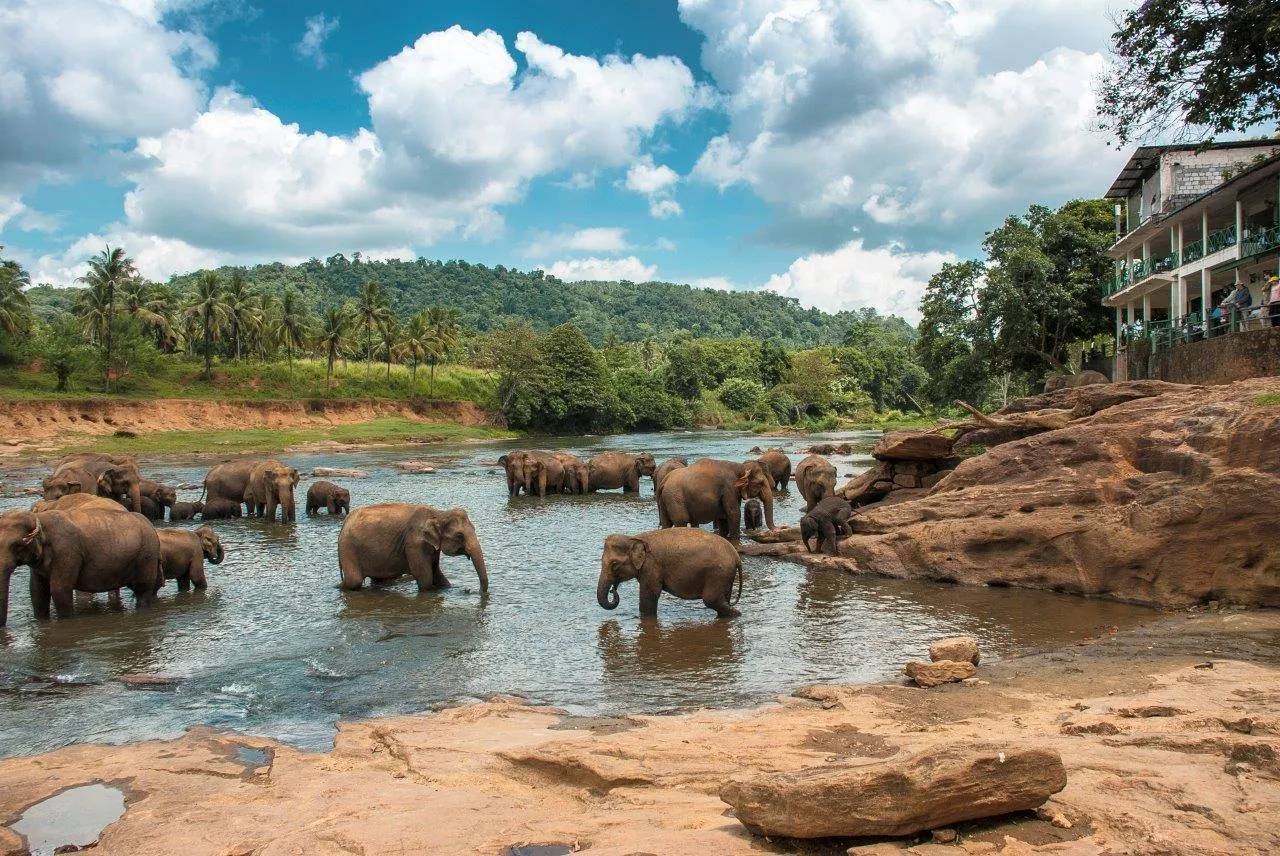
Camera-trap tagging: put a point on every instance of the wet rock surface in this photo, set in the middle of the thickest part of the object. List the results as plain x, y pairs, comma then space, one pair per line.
962, 649
940, 672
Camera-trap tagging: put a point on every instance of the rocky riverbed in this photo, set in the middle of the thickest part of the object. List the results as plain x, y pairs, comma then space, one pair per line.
1169, 736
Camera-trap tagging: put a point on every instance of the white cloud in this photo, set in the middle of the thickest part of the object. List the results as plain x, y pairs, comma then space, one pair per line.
890, 279
720, 283
598, 239
665, 244
904, 116
657, 183
317, 30
577, 270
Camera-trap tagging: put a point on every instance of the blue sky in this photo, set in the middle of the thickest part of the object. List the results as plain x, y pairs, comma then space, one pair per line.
838, 151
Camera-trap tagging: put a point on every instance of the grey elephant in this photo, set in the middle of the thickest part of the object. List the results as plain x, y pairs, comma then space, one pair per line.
752, 515
112, 476
84, 549
778, 466
613, 470
691, 564
815, 479
513, 464
828, 521
386, 541
78, 500
183, 553
185, 511
542, 472
149, 508
329, 496
259, 483
577, 476
220, 509
660, 474
710, 491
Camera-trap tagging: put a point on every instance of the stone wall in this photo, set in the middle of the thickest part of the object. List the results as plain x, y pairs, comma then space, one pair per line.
1224, 359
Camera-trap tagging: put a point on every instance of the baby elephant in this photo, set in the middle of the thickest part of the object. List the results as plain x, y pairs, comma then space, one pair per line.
688, 563
324, 494
185, 511
828, 519
753, 515
182, 555
220, 509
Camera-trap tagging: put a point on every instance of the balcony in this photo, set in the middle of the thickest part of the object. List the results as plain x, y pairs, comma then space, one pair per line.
1137, 271
1260, 241
1221, 240
1192, 252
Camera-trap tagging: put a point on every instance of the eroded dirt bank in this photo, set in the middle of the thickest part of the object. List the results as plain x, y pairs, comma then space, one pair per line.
1164, 755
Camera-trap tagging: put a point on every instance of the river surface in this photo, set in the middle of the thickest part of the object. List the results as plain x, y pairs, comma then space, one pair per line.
273, 647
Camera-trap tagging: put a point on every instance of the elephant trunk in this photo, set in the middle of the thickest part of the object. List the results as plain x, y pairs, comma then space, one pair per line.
218, 556
766, 497
477, 559
5, 573
288, 513
607, 591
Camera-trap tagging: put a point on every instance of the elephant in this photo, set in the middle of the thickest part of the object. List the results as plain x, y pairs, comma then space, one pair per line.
828, 519
326, 494
115, 477
182, 555
513, 463
235, 481
815, 479
162, 495
219, 509
660, 474
752, 515
271, 483
687, 563
540, 471
68, 481
149, 508
778, 465
382, 542
612, 470
83, 549
712, 491
78, 500
185, 511
576, 472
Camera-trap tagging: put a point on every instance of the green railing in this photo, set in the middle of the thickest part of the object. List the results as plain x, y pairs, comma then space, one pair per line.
1220, 240
1137, 271
1193, 251
1166, 333
1260, 241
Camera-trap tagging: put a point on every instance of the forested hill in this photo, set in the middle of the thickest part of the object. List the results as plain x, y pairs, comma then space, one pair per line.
605, 311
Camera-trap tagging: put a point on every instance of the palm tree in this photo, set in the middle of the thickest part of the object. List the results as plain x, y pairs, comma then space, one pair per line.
243, 309
390, 330
207, 307
372, 312
262, 334
15, 308
293, 324
107, 272
444, 329
335, 326
414, 345
138, 299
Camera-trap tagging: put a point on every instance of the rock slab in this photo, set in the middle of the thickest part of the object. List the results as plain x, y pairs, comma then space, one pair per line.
942, 672
912, 446
962, 649
940, 787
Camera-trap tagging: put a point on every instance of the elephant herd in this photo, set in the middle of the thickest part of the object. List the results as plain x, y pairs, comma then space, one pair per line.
689, 563
93, 530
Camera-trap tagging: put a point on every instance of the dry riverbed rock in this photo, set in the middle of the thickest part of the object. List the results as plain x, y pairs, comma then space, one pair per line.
330, 472
414, 467
942, 672
936, 788
962, 649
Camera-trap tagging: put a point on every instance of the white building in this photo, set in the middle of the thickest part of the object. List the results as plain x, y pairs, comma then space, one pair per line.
1191, 222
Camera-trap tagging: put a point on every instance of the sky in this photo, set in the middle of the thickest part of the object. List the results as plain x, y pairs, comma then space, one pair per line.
835, 151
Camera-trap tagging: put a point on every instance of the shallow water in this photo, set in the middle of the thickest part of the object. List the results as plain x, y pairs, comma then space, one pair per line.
74, 817
272, 647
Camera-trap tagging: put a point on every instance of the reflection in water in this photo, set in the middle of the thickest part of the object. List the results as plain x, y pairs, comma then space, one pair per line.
274, 647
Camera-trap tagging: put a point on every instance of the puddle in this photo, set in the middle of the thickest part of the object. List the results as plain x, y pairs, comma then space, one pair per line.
539, 850
251, 757
76, 817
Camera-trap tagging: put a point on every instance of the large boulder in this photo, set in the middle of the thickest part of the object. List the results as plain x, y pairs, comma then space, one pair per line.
962, 649
940, 672
938, 787
912, 446
1171, 497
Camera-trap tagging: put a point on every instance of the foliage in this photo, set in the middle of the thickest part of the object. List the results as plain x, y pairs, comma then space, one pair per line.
575, 391
1209, 67
64, 351
647, 404
741, 394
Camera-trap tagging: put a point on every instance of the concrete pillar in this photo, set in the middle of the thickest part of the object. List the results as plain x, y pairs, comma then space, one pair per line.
1239, 224
1205, 308
1204, 232
1177, 247
1146, 311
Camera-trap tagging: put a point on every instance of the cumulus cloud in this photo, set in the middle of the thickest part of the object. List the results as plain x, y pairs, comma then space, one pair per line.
316, 32
657, 183
904, 117
889, 279
592, 268
598, 239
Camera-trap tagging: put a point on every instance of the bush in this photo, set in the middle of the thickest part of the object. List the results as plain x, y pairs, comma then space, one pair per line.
651, 407
741, 395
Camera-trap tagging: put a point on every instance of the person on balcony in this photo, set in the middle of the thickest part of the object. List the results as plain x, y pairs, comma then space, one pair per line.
1235, 307
1271, 300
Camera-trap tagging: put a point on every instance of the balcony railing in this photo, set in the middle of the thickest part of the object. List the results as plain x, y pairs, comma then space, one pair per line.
1259, 241
1137, 271
1193, 251
1221, 240
1166, 333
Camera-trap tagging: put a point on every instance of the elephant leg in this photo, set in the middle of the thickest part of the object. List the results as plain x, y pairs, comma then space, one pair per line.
421, 566
39, 595
732, 512
632, 484
438, 579
64, 598
828, 541
184, 582
649, 600
717, 598
196, 574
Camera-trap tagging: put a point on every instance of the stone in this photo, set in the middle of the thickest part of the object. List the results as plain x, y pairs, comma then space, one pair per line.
942, 672
944, 836
147, 680
912, 446
932, 479
906, 480
962, 649
939, 787
883, 486
328, 472
12, 844
414, 467
862, 484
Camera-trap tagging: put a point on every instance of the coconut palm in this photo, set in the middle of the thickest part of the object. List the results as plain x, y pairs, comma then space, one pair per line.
335, 327
372, 312
292, 324
108, 271
140, 299
261, 336
207, 307
15, 308
244, 310
444, 330
413, 346
389, 331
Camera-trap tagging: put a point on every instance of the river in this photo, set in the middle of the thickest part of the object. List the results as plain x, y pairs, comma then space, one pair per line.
273, 647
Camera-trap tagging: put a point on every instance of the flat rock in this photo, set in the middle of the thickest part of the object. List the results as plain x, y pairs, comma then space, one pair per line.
328, 472
942, 672
939, 787
414, 467
962, 649
147, 680
912, 446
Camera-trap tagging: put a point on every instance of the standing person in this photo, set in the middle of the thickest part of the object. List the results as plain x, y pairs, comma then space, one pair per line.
1273, 299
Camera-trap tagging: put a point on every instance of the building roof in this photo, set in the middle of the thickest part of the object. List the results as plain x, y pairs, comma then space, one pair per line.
1144, 158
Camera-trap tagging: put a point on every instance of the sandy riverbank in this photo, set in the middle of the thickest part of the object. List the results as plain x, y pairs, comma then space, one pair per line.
1162, 757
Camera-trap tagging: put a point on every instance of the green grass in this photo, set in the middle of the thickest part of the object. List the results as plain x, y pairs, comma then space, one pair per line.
1269, 400
177, 377
391, 430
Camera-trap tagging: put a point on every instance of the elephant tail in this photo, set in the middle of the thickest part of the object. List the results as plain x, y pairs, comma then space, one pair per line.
737, 573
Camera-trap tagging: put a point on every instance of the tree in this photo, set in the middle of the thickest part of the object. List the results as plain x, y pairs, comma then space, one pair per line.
335, 326
151, 305
1207, 67
952, 341
390, 333
108, 271
444, 330
513, 353
741, 395
811, 381
15, 308
244, 309
209, 311
414, 345
63, 349
774, 363
372, 312
292, 324
686, 369
574, 392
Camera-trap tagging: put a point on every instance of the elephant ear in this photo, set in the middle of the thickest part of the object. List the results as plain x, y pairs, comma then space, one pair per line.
293, 476
637, 552
504, 460
741, 484
432, 532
